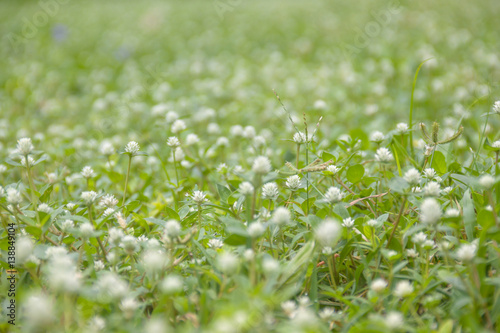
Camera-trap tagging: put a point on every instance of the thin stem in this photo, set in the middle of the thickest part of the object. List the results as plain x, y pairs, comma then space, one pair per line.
397, 221
126, 179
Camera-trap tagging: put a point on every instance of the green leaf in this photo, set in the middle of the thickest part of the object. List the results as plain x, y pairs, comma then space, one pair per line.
439, 162
355, 173
224, 193
235, 240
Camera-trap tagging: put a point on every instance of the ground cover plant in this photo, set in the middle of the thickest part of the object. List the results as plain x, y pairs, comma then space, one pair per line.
224, 166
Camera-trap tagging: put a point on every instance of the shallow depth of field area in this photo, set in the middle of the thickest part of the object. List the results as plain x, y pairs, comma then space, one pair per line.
250, 166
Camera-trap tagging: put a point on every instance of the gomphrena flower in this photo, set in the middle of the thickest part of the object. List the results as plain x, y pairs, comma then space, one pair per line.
172, 284
25, 146
39, 311
86, 230
419, 238
109, 201
299, 137
333, 195
270, 191
227, 263
348, 223
132, 147
129, 244
328, 232
486, 181
261, 165
402, 128
44, 208
377, 137
430, 211
107, 148
496, 107
281, 216
178, 126
394, 320
88, 172
332, 169
256, 229
172, 229
173, 141
383, 155
403, 288
246, 188
89, 197
293, 182
378, 285
432, 189
236, 130
412, 176
215, 243
14, 197
496, 144
199, 197
467, 252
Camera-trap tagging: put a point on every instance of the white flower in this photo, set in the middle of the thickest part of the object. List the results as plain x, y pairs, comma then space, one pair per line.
419, 238
270, 265
132, 147
44, 208
467, 252
213, 128
227, 263
192, 139
24, 249
377, 137
394, 320
333, 195
270, 191
412, 176
328, 232
96, 324
199, 197
402, 128
27, 161
249, 254
66, 225
98, 265
429, 173
378, 285
496, 107
173, 142
383, 155
110, 285
109, 201
128, 306
372, 223
246, 188
115, 236
238, 169
348, 223
288, 307
172, 229
3, 168
452, 212
129, 244
178, 126
215, 243
496, 144
281, 216
39, 311
172, 284
300, 137
261, 165
89, 197
403, 289
153, 260
428, 244
222, 142
256, 229
320, 104
236, 130
486, 181
249, 132
411, 253
293, 182
88, 172
333, 169
107, 148
14, 196
171, 116
86, 230
432, 189
24, 146
430, 211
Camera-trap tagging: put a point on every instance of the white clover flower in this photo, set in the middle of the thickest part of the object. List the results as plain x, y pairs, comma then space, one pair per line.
419, 238
44, 208
377, 137
281, 216
270, 191
199, 197
128, 305
412, 176
378, 285
328, 232
14, 197
402, 128
270, 266
261, 165
383, 155
89, 197
333, 169
192, 139
171, 116
430, 211
129, 244
432, 189
132, 147
348, 223
429, 173
394, 320
467, 252
403, 289
88, 172
107, 148
172, 284
452, 212
24, 146
172, 229
173, 142
496, 107
86, 230
333, 195
293, 182
109, 201
178, 126
300, 137
227, 263
39, 311
256, 229
215, 243
486, 181
246, 188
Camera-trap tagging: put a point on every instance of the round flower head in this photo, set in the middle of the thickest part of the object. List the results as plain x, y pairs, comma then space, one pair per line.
128, 305
199, 197
402, 128
348, 223
496, 107
333, 195
24, 146
383, 155
394, 320
486, 181
378, 285
256, 229
270, 191
171, 116
429, 173
467, 252
300, 137
333, 169
192, 139
178, 126
236, 130
86, 230
129, 244
249, 132
281, 216
320, 104
88, 172
377, 137
403, 289
172, 228
89, 197
246, 188
496, 144
215, 243
27, 161
227, 263
293, 182
412, 176
107, 148
328, 232
132, 148
109, 201
14, 196
44, 208
430, 211
172, 284
432, 189
173, 142
261, 165
419, 238
39, 311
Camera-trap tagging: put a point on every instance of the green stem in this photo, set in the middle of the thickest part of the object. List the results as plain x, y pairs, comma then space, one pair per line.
126, 179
